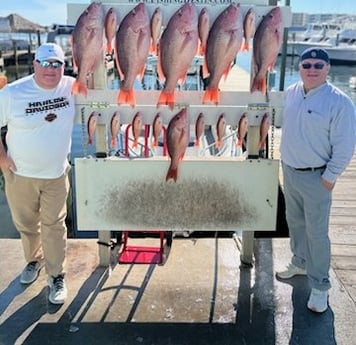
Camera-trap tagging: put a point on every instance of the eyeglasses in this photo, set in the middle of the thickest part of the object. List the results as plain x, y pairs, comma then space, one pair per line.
47, 64
318, 65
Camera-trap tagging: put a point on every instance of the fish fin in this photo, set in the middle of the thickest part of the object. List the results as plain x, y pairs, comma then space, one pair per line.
211, 96
205, 69
126, 97
113, 142
246, 46
108, 48
79, 88
153, 47
172, 174
166, 98
259, 84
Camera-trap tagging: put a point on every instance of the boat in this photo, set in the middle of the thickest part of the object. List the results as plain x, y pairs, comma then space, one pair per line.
352, 83
341, 45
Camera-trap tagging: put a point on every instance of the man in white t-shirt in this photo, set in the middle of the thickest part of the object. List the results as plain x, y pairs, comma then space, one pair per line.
38, 111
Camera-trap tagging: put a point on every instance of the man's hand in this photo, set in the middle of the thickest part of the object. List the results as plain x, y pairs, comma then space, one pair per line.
328, 185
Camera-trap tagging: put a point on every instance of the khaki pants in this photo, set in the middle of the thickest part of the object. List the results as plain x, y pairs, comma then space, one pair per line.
38, 208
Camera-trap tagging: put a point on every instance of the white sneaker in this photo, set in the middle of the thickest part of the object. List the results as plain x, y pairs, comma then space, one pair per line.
291, 271
318, 301
30, 272
57, 289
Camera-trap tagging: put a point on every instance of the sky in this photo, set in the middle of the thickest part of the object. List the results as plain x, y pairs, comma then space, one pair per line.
48, 12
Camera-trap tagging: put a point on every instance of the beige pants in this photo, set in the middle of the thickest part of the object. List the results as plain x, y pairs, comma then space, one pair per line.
38, 208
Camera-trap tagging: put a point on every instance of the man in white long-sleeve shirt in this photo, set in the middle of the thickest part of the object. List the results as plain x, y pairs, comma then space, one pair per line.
318, 141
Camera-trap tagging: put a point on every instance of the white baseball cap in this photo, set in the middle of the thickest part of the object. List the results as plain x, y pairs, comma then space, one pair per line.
48, 51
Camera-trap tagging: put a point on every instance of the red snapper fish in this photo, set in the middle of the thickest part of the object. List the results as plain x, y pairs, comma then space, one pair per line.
242, 129
87, 45
199, 128
264, 128
110, 28
220, 130
136, 127
178, 46
132, 48
224, 42
249, 28
157, 127
114, 128
91, 126
177, 141
203, 29
266, 45
156, 27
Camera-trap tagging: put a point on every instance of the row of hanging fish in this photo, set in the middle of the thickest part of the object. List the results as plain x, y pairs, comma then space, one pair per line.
187, 34
177, 133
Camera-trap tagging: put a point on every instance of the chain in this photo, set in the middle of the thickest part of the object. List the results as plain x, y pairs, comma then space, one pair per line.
272, 133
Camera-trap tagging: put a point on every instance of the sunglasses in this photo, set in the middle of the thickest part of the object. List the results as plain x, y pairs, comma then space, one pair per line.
47, 64
318, 65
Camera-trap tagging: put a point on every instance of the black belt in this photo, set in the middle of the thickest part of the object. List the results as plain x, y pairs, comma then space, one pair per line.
310, 169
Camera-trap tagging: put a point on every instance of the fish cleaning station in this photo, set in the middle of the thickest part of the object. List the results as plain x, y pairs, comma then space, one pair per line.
176, 200
231, 185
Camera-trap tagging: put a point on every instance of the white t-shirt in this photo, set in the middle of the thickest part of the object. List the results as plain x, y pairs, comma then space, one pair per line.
40, 124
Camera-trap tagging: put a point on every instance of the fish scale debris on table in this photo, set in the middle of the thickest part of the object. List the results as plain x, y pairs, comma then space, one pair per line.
177, 140
87, 45
132, 46
266, 46
178, 46
224, 42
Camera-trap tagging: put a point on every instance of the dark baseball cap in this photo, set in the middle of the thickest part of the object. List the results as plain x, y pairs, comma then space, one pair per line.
315, 53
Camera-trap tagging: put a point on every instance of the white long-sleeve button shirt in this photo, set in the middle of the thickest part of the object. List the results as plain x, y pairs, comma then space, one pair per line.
318, 129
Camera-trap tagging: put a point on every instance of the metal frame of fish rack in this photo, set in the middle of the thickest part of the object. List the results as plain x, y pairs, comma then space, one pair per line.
232, 104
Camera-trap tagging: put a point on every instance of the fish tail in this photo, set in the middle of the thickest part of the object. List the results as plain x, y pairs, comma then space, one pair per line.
205, 69
113, 142
126, 97
239, 142
155, 142
166, 98
246, 46
218, 144
90, 141
79, 88
172, 174
211, 96
108, 48
135, 143
197, 142
259, 84
153, 48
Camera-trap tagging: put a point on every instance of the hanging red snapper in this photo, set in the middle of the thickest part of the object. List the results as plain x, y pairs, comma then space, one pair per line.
156, 27
220, 130
91, 126
87, 45
110, 28
199, 128
264, 128
249, 28
132, 47
136, 127
114, 128
177, 141
157, 127
266, 45
242, 129
224, 42
178, 46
